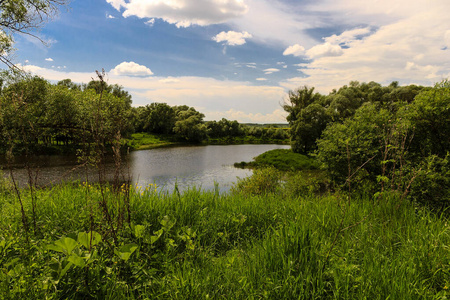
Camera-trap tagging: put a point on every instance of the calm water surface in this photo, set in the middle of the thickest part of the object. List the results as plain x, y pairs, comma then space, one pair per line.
199, 166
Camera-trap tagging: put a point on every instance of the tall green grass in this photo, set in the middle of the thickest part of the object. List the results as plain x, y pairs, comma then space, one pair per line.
201, 244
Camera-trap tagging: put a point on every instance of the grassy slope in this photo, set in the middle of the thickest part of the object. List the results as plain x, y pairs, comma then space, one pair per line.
233, 246
282, 159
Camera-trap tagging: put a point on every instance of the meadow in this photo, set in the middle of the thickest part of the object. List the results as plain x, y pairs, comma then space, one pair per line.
267, 239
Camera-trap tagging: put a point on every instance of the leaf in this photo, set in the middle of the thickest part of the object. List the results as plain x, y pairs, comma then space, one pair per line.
156, 237
125, 251
64, 244
64, 271
86, 238
167, 223
77, 260
139, 231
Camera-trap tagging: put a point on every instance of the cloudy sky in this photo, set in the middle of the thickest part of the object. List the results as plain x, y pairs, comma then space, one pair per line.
238, 58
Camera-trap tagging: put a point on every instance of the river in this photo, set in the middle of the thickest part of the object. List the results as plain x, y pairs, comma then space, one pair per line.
187, 166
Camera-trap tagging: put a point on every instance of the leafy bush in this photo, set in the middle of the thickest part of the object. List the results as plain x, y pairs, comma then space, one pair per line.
263, 181
432, 185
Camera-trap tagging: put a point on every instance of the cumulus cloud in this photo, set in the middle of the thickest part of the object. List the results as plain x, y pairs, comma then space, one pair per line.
183, 13
325, 49
348, 36
295, 50
261, 79
49, 59
232, 38
131, 69
406, 46
110, 17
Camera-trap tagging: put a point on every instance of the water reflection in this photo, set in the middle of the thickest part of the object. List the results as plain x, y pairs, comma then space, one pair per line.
201, 166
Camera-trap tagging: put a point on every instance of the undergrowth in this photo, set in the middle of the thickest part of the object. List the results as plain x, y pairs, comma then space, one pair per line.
201, 244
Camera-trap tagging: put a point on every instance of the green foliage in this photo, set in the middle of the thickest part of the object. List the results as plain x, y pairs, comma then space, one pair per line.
282, 159
429, 114
189, 125
198, 245
263, 181
432, 185
359, 141
35, 115
310, 113
403, 146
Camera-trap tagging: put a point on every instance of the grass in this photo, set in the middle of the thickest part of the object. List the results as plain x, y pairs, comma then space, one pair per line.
282, 159
202, 244
143, 140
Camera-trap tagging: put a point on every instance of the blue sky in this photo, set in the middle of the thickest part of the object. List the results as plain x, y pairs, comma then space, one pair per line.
237, 59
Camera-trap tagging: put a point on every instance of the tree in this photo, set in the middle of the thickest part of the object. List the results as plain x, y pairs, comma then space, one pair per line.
159, 118
189, 125
23, 17
303, 133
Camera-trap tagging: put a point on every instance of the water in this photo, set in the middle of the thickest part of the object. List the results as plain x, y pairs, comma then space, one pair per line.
200, 166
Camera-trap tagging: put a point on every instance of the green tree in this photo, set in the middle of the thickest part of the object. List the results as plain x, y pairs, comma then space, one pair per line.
159, 118
189, 125
304, 133
429, 114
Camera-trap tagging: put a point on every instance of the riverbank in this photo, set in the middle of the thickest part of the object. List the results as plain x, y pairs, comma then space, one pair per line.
143, 141
87, 241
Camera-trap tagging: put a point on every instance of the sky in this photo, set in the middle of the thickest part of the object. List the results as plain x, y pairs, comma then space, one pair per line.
237, 59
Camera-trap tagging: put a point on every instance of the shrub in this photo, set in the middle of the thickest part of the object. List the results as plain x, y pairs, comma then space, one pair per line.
262, 181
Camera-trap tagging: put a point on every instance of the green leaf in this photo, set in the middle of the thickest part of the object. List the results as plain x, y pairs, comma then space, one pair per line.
86, 238
167, 223
139, 231
125, 251
77, 260
156, 237
64, 245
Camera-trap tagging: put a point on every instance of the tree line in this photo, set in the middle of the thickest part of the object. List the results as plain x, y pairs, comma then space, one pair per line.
36, 115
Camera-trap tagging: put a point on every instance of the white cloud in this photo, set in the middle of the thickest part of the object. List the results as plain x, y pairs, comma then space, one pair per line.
131, 69
277, 23
183, 13
110, 17
169, 80
325, 49
116, 3
232, 38
447, 39
270, 71
347, 36
295, 50
150, 22
405, 43
277, 116
251, 66
261, 79
49, 59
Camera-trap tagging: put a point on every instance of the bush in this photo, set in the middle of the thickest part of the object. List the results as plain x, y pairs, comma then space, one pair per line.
262, 181
432, 185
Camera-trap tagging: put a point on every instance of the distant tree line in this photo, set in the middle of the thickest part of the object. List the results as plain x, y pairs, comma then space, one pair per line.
394, 136
188, 124
36, 115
